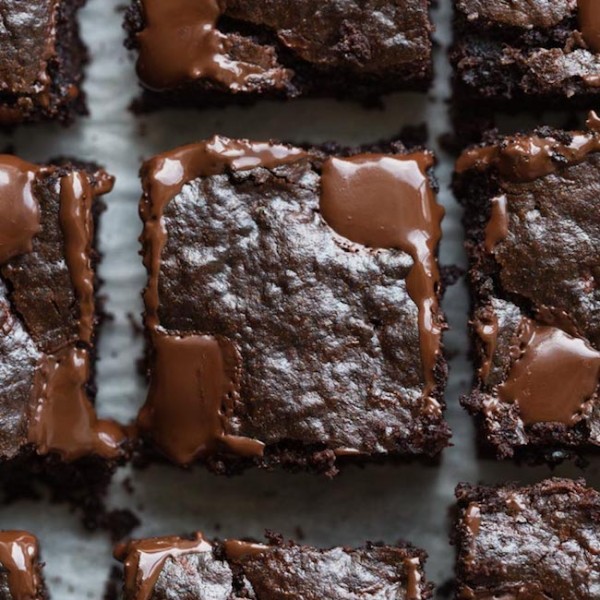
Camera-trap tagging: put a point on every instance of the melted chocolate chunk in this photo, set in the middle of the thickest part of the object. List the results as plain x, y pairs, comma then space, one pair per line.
533, 239
554, 376
193, 378
198, 570
181, 42
19, 555
143, 561
297, 335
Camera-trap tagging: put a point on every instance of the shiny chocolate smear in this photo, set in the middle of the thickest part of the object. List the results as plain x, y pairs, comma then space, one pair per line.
181, 42
18, 556
143, 560
383, 201
19, 210
554, 376
63, 419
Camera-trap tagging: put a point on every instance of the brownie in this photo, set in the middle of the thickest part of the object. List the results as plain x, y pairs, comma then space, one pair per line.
41, 61
21, 576
540, 542
533, 237
48, 318
292, 306
508, 53
195, 569
196, 54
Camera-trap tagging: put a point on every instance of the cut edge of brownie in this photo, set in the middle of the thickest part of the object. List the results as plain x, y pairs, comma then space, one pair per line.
308, 80
294, 455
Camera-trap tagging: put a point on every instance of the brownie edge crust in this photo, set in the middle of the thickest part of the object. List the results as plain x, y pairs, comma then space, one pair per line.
312, 341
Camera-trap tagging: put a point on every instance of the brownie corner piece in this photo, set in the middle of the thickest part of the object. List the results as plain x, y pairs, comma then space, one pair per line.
240, 51
539, 541
292, 306
49, 316
41, 62
195, 566
540, 53
533, 233
21, 573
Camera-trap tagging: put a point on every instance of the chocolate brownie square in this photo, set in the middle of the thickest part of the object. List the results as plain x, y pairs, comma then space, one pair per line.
48, 321
292, 306
21, 576
533, 229
507, 53
200, 53
41, 61
199, 570
540, 542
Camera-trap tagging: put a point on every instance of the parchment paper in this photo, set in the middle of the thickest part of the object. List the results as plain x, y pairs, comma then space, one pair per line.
375, 503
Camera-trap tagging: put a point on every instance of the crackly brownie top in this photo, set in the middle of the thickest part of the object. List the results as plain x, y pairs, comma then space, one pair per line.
535, 270
535, 47
19, 567
253, 46
47, 310
533, 543
200, 570
27, 31
301, 290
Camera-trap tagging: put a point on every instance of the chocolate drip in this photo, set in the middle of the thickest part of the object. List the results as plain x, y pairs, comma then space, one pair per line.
384, 201
553, 376
181, 42
18, 556
144, 559
195, 381
202, 369
523, 158
76, 222
20, 220
589, 21
63, 419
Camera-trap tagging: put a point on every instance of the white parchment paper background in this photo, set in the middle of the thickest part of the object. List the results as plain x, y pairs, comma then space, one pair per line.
374, 503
